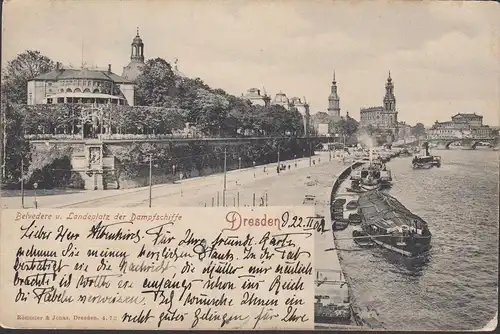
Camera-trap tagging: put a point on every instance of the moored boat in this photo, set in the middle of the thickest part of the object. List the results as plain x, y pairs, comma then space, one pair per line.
391, 225
361, 238
374, 176
352, 204
405, 153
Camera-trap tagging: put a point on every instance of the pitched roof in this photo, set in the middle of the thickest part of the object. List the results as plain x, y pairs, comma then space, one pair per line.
467, 114
86, 73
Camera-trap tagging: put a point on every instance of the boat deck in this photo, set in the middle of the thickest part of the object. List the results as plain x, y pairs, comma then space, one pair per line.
384, 210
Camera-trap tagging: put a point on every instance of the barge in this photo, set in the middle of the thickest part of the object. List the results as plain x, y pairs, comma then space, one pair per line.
391, 225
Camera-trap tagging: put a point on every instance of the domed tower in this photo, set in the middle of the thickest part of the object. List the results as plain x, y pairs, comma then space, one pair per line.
282, 100
389, 98
333, 99
134, 68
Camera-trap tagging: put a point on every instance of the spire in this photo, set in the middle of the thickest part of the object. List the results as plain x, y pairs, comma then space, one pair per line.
333, 99
389, 78
137, 53
264, 91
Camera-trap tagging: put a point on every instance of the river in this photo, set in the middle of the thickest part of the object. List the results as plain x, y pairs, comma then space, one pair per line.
456, 286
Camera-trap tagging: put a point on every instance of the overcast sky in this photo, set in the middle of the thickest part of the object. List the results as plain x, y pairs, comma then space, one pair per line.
444, 57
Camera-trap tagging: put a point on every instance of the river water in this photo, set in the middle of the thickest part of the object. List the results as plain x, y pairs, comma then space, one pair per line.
456, 286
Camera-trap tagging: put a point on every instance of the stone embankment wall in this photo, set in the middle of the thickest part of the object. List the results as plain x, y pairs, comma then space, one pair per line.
130, 161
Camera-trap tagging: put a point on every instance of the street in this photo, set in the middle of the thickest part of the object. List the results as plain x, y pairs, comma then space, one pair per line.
287, 188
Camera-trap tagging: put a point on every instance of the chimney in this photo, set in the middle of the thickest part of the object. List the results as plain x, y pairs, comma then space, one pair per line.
58, 66
109, 68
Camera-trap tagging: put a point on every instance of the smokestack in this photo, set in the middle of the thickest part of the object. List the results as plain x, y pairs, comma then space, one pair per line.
109, 68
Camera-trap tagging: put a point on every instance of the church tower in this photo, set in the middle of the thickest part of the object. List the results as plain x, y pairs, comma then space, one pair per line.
333, 99
389, 98
134, 68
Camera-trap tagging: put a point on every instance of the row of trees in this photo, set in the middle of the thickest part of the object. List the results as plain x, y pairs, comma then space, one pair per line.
165, 102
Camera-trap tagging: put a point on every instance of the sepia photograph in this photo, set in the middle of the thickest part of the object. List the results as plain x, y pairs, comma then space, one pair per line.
384, 116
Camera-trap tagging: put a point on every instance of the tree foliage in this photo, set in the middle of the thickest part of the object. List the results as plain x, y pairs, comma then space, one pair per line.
418, 130
156, 84
19, 71
346, 126
165, 102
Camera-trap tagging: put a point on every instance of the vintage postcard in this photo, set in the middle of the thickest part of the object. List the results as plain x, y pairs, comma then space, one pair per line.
249, 164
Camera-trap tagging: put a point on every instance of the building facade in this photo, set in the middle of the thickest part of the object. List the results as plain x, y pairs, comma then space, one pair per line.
403, 130
382, 117
88, 85
255, 96
461, 126
67, 85
303, 108
472, 120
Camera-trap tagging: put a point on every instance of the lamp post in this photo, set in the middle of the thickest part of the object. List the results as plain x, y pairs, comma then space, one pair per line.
150, 178
225, 178
329, 149
239, 162
310, 153
22, 183
35, 186
278, 168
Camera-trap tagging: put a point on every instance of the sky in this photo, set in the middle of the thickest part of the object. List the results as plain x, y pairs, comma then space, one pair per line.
444, 56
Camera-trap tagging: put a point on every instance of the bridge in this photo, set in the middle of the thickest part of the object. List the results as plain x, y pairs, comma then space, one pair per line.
467, 142
445, 142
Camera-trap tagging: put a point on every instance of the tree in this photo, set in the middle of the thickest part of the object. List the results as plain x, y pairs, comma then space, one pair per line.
346, 126
418, 130
156, 85
19, 71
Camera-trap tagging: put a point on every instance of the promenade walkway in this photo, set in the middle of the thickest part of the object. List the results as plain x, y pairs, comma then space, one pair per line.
140, 196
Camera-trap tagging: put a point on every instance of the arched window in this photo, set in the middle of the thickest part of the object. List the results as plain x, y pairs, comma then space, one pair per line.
68, 90
86, 90
61, 90
77, 90
96, 91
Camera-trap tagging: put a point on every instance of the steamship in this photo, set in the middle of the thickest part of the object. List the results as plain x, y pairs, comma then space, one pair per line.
427, 160
372, 177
